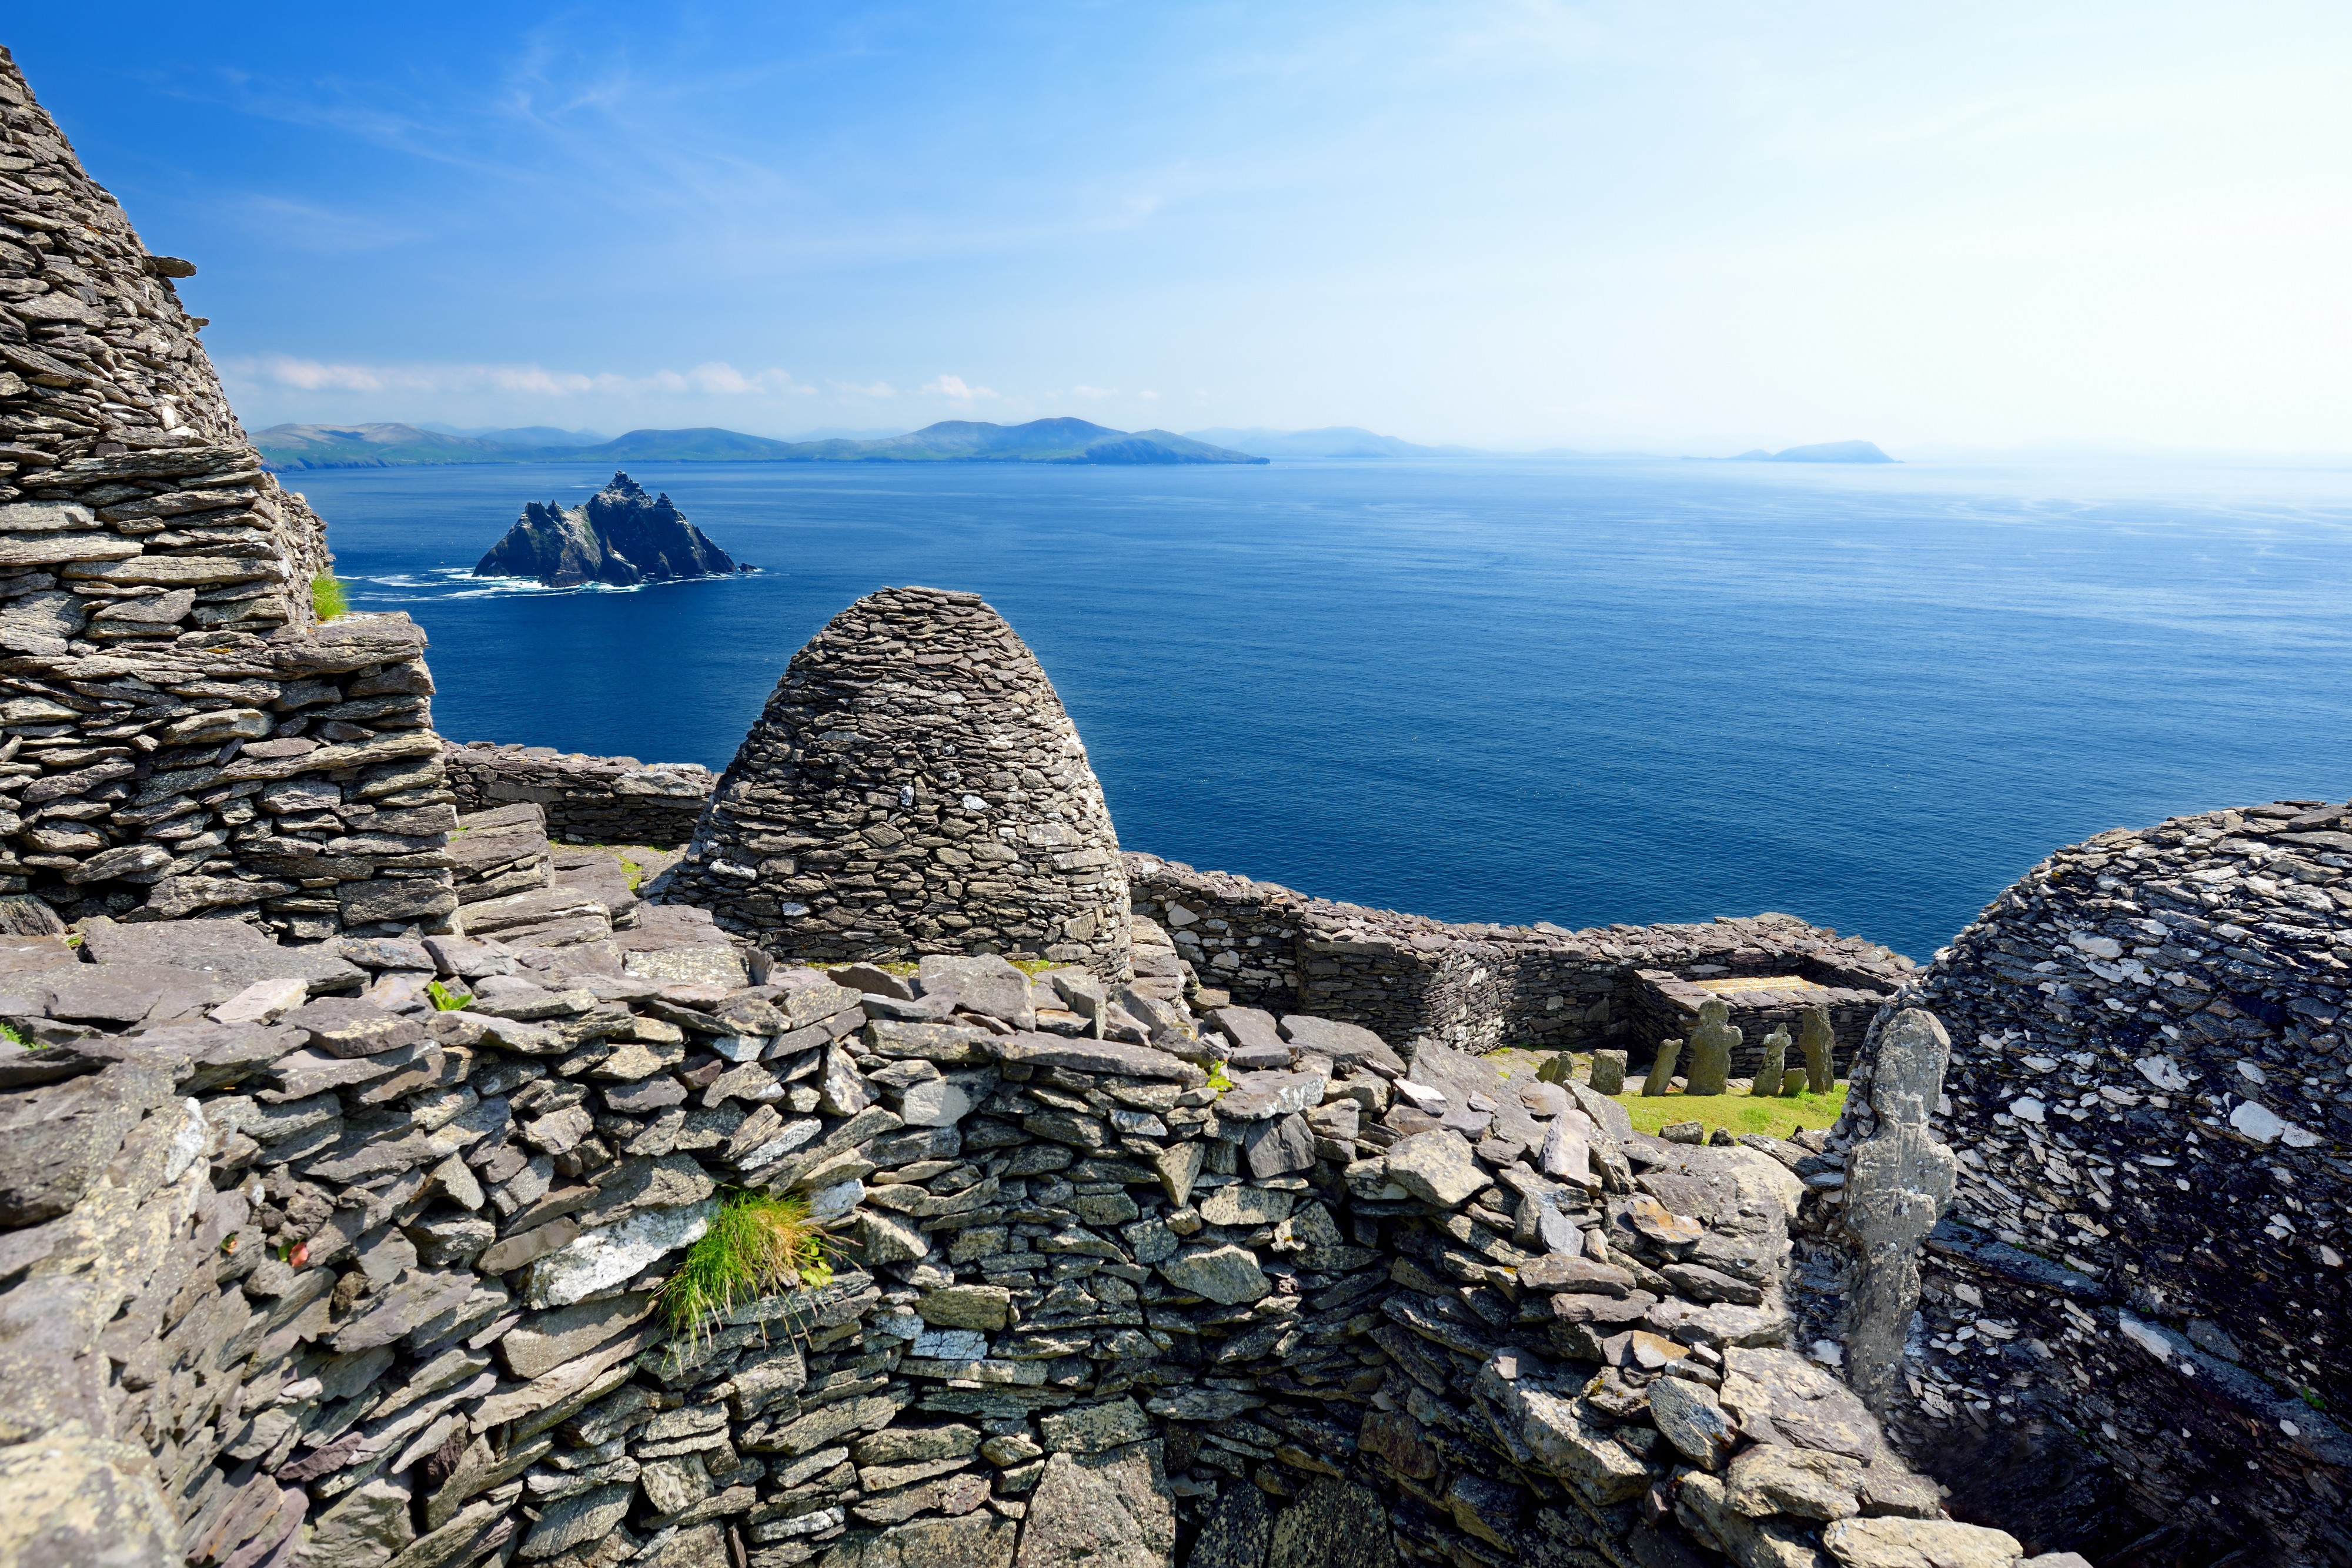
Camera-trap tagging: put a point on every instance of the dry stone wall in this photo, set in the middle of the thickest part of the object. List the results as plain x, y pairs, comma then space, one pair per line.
913, 786
1479, 986
586, 800
297, 1268
176, 733
2130, 1326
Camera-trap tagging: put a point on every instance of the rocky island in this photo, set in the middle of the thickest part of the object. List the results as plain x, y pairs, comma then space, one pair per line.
622, 536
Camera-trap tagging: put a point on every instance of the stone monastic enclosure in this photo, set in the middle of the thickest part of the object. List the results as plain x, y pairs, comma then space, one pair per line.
913, 786
1213, 1242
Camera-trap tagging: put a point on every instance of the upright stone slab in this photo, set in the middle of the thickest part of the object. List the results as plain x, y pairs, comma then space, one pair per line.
913, 786
1661, 1069
1817, 1041
1898, 1183
1711, 1045
1776, 1057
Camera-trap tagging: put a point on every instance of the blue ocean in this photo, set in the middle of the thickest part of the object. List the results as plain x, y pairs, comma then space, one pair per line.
1582, 692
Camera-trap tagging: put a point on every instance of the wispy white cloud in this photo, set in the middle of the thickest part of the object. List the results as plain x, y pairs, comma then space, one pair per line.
713, 379
1082, 390
955, 387
318, 230
872, 389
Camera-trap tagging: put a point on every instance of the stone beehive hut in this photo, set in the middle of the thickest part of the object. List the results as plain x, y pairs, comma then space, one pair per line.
913, 786
2135, 1311
177, 735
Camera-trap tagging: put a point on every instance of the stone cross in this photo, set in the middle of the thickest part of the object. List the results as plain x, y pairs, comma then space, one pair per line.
1815, 1042
1712, 1043
1897, 1184
1776, 1056
1662, 1071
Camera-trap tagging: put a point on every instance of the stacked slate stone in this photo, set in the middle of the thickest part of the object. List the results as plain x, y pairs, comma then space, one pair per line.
176, 734
586, 800
299, 1267
1479, 986
2140, 1286
913, 786
293, 777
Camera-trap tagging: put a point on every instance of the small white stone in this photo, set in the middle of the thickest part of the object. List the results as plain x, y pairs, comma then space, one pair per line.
188, 1142
2028, 1110
836, 1200
263, 1001
2257, 1122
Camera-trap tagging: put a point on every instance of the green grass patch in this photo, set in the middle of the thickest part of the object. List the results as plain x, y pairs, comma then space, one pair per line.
1738, 1114
445, 1000
757, 1246
1034, 965
15, 1036
327, 597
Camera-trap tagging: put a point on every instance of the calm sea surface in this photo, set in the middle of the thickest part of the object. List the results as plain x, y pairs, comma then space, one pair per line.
1577, 692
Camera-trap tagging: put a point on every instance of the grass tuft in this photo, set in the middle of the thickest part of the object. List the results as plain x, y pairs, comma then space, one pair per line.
327, 598
15, 1036
1738, 1114
757, 1246
445, 1000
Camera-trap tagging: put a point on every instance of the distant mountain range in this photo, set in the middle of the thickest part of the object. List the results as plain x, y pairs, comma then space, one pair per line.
951, 441
1824, 452
1336, 441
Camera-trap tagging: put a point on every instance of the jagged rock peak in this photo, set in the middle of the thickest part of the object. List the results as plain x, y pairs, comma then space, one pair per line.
913, 786
621, 536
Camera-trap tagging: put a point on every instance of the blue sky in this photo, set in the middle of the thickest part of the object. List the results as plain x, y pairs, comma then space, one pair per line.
1689, 227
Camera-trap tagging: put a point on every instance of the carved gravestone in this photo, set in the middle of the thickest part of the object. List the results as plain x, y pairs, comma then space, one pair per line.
1793, 1083
1816, 1039
1711, 1045
1662, 1071
1898, 1183
1608, 1072
1776, 1056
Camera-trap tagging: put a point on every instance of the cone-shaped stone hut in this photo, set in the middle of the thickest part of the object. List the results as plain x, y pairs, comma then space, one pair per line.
913, 786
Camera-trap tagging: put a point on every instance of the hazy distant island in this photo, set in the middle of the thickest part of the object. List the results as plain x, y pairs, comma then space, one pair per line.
289, 446
622, 536
1821, 452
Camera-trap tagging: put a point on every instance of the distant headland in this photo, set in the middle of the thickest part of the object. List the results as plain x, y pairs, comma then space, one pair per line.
288, 446
622, 536
1821, 452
